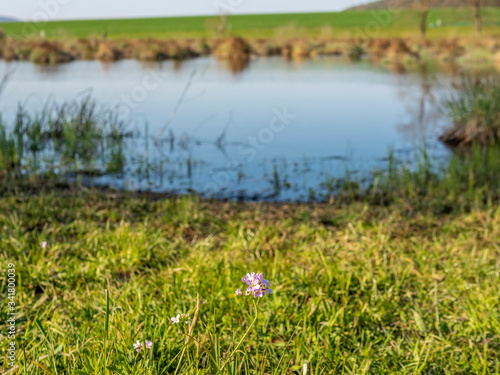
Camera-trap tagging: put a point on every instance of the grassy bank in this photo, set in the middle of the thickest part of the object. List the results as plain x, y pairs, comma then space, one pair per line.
358, 289
399, 275
454, 22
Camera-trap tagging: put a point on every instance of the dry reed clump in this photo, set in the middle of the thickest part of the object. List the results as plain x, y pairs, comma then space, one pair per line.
491, 44
126, 48
352, 49
286, 51
45, 52
466, 134
81, 49
159, 50
16, 50
179, 50
199, 47
377, 47
233, 48
395, 52
423, 48
390, 50
332, 48
419, 44
8, 54
37, 51
185, 47
150, 50
447, 49
474, 107
212, 43
107, 51
264, 47
302, 49
398, 50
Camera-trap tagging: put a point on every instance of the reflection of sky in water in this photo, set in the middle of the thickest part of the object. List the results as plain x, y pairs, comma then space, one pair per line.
355, 111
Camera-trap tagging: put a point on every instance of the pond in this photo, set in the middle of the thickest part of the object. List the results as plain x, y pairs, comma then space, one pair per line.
278, 130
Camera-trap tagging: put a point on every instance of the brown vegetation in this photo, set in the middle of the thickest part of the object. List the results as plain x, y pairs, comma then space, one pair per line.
158, 50
459, 51
474, 108
82, 49
465, 135
447, 50
200, 47
302, 49
233, 48
394, 50
37, 51
45, 52
106, 51
264, 47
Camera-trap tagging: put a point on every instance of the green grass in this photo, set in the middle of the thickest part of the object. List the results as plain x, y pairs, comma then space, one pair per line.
399, 276
455, 22
474, 108
358, 289
78, 135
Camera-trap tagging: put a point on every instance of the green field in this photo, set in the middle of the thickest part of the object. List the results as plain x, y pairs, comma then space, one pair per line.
354, 23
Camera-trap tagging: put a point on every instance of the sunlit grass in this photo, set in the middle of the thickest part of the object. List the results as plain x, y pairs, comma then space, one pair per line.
404, 23
357, 289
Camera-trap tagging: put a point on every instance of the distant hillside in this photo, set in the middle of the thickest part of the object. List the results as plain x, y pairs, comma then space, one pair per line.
384, 4
7, 19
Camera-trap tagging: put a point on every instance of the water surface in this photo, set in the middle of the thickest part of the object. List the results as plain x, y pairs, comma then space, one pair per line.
278, 130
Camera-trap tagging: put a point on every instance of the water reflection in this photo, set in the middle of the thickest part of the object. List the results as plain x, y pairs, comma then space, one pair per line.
423, 107
236, 66
199, 126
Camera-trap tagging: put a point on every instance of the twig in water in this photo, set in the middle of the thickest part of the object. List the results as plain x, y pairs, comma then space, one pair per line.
177, 106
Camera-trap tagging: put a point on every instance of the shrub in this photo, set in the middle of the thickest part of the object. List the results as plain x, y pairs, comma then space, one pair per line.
106, 51
48, 53
474, 107
233, 48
